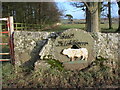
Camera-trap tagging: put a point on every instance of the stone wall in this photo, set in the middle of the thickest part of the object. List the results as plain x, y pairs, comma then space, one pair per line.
107, 45
28, 45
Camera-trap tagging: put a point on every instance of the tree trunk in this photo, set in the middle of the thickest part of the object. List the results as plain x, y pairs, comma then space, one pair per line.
92, 17
99, 15
119, 21
109, 15
119, 16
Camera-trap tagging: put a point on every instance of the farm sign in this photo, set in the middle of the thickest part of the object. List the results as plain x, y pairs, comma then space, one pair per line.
75, 48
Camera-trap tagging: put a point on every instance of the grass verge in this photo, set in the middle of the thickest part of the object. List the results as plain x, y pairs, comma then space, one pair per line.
100, 75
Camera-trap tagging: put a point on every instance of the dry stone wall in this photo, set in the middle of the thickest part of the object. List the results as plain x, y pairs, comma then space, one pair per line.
35, 45
28, 45
108, 45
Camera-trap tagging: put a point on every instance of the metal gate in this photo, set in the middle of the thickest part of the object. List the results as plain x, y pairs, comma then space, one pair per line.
10, 43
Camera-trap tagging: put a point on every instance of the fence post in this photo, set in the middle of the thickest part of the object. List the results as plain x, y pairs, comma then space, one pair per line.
11, 30
11, 25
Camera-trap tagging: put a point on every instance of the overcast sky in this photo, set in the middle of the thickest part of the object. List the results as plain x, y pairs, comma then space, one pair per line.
77, 13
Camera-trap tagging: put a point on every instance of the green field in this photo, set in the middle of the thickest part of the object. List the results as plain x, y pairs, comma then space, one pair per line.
104, 27
36, 27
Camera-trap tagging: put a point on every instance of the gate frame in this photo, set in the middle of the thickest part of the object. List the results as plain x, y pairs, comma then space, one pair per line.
10, 25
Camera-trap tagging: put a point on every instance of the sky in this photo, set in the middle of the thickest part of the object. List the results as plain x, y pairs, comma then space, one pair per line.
77, 13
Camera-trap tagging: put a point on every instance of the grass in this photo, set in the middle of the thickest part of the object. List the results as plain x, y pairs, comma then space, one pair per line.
97, 76
104, 27
55, 64
65, 27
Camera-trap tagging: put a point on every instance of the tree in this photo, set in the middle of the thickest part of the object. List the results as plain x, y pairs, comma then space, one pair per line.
40, 13
109, 15
92, 16
70, 17
119, 16
104, 8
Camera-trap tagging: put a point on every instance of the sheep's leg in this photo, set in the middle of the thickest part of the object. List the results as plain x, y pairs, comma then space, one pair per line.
72, 59
86, 58
82, 57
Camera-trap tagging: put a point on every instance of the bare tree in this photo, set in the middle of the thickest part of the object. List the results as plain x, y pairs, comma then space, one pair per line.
119, 16
92, 16
109, 15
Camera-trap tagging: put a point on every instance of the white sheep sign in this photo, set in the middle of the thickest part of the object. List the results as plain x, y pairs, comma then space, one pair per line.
81, 53
74, 48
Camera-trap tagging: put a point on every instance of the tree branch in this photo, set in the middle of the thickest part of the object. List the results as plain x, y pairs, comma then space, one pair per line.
92, 9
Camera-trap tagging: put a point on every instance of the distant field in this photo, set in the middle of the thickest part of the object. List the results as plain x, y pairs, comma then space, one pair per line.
104, 27
66, 26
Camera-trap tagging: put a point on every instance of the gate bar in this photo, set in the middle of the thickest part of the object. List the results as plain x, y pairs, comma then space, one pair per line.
4, 32
4, 59
4, 53
3, 43
4, 19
